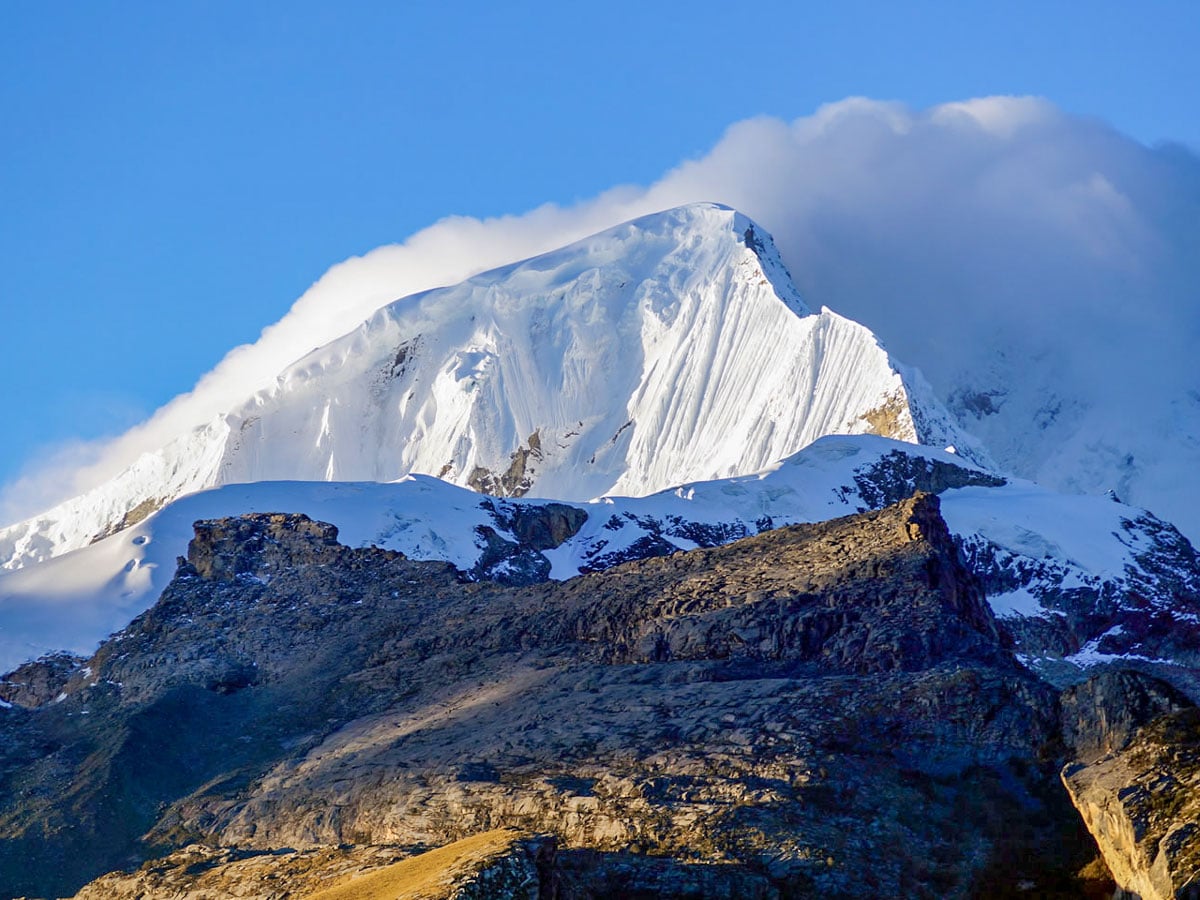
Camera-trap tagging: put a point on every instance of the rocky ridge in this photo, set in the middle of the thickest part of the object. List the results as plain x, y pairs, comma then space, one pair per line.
823, 709
1077, 581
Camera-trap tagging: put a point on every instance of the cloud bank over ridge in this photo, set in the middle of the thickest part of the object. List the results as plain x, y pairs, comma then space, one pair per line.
1035, 265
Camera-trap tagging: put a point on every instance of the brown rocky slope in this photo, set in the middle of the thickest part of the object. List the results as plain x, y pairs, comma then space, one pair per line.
823, 710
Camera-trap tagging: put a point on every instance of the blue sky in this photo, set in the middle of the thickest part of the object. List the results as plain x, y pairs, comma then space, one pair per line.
174, 175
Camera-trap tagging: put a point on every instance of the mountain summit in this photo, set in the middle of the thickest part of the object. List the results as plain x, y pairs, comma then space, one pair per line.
671, 348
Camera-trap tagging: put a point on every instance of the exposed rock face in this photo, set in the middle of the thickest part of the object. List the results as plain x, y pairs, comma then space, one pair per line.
1147, 617
541, 527
822, 710
136, 514
536, 528
1136, 780
517, 479
897, 475
256, 544
1142, 805
41, 681
1102, 716
197, 872
850, 599
488, 866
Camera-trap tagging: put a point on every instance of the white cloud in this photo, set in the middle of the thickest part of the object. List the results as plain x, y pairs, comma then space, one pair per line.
1000, 116
997, 243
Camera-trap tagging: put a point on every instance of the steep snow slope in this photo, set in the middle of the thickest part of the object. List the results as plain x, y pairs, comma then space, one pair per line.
1089, 421
667, 349
1078, 579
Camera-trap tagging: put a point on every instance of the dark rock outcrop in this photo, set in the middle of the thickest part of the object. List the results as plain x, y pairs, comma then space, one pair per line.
897, 475
876, 599
824, 710
41, 681
257, 544
517, 479
1102, 715
1145, 618
541, 527
534, 529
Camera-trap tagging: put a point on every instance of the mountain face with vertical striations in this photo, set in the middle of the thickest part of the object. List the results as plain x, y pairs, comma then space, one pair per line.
672, 348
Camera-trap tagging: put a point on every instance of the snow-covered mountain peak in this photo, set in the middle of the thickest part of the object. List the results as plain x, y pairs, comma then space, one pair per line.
642, 268
670, 348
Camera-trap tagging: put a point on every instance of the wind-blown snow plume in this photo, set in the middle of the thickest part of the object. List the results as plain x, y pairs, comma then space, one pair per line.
1040, 268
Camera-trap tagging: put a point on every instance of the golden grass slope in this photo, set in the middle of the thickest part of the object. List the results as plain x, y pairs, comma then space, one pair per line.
427, 876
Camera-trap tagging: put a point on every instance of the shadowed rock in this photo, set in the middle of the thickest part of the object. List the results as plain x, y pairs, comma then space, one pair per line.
258, 544
1136, 781
821, 710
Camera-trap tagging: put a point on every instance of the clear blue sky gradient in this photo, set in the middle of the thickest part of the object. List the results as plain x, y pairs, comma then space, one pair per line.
173, 175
